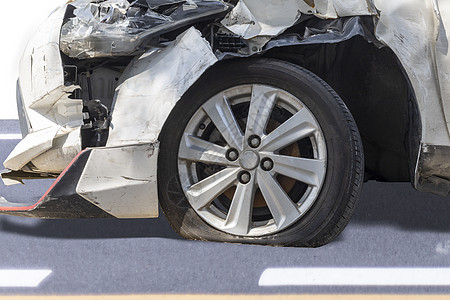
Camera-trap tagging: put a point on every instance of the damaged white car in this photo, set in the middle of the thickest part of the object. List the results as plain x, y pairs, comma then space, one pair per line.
250, 121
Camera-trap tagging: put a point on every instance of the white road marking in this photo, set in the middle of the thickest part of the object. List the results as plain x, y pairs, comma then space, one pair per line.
10, 136
355, 277
22, 278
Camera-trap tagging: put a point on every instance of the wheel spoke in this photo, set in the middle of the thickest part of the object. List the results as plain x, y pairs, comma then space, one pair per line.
283, 210
220, 113
252, 158
195, 149
204, 192
240, 214
309, 171
299, 126
261, 105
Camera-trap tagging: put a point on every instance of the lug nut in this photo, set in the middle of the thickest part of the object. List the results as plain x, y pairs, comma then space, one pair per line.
244, 177
254, 141
232, 154
267, 164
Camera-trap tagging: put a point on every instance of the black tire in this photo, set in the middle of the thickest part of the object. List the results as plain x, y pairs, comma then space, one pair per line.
332, 208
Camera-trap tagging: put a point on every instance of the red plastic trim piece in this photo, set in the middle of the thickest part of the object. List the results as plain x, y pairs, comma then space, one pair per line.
31, 207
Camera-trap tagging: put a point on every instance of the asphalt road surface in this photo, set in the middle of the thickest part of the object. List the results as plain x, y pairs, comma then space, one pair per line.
394, 227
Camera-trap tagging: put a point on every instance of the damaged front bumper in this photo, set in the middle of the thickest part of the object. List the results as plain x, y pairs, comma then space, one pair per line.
81, 191
118, 180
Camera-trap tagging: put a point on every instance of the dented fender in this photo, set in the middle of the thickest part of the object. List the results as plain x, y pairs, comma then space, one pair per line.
153, 83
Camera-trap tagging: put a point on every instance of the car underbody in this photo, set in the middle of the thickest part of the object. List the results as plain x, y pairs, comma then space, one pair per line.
101, 78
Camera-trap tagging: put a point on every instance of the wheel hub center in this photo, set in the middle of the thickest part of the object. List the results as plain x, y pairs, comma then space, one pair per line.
249, 160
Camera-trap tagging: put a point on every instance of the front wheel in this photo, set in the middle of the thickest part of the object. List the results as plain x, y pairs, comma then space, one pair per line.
260, 151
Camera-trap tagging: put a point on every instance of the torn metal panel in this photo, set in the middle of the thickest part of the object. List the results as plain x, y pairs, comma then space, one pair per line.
66, 145
41, 68
50, 149
312, 31
57, 146
258, 18
42, 79
326, 31
46, 103
252, 18
126, 186
31, 146
116, 28
152, 84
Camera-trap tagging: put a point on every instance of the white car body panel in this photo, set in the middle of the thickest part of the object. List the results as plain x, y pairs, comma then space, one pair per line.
410, 28
152, 84
31, 146
127, 173
443, 57
51, 114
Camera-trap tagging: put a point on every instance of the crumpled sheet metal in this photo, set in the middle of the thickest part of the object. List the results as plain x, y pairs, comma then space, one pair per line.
103, 26
50, 149
332, 31
118, 28
319, 32
31, 146
269, 18
42, 77
54, 118
152, 84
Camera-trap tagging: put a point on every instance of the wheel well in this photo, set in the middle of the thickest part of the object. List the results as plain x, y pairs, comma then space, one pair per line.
373, 84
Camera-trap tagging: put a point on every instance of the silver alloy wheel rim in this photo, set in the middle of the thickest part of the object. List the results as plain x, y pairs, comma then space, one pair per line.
263, 163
